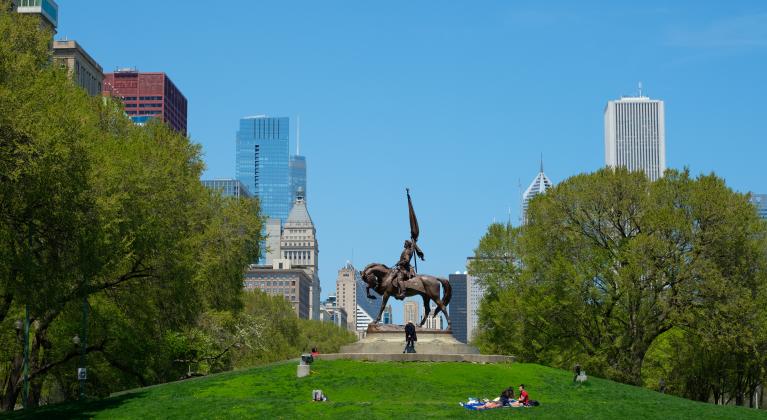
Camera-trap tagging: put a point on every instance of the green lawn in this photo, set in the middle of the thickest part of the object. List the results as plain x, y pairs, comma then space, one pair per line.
372, 390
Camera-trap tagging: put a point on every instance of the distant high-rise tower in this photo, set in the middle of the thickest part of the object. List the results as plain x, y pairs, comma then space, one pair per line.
760, 201
410, 308
298, 244
635, 135
262, 162
540, 184
297, 175
297, 166
350, 295
146, 96
227, 187
47, 10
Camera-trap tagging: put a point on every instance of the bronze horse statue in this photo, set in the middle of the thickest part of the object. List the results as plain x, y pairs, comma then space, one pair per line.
376, 277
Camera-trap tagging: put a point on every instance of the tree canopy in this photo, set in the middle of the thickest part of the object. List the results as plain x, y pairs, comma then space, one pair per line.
611, 264
99, 212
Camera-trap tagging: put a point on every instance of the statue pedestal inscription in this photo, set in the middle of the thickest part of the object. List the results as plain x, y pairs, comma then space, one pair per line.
390, 339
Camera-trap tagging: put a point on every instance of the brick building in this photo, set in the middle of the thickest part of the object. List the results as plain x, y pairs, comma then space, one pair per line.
148, 95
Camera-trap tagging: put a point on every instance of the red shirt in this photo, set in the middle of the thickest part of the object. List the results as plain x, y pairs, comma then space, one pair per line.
523, 397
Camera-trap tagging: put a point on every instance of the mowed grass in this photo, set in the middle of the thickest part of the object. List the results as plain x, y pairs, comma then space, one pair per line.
381, 390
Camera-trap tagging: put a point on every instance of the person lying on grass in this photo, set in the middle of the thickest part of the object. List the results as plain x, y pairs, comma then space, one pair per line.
505, 400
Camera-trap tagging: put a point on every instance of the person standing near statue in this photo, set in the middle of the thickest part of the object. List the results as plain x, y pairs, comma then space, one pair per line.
410, 338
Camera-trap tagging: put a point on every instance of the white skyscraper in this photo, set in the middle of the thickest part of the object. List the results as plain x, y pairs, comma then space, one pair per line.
540, 184
635, 135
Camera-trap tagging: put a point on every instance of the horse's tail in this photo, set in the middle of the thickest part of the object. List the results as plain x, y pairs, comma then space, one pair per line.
448, 290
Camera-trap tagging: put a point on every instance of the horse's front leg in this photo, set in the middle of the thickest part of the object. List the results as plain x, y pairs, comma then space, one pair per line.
367, 292
385, 298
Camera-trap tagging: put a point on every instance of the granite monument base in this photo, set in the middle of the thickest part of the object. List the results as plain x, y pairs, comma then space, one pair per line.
390, 339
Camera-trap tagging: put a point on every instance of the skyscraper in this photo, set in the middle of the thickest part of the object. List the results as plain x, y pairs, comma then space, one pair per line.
47, 10
457, 307
475, 294
410, 308
262, 162
350, 295
227, 187
434, 322
148, 95
760, 201
299, 245
540, 184
297, 175
297, 166
635, 135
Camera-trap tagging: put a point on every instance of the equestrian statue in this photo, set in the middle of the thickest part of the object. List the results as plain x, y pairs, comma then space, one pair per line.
402, 280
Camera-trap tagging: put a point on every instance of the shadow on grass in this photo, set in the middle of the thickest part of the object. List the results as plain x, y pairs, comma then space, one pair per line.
74, 410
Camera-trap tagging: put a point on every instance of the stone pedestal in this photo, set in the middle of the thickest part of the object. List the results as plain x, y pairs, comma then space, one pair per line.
390, 339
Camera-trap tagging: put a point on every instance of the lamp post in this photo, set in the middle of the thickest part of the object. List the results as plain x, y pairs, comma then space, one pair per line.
25, 390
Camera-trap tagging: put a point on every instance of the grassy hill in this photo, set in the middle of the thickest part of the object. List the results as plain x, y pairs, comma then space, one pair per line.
388, 390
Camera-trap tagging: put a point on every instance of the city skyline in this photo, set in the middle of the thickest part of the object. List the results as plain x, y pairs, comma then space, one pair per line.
476, 110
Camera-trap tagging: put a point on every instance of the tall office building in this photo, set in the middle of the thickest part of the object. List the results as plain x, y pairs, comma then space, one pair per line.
297, 175
760, 201
434, 322
475, 294
410, 308
635, 135
82, 68
457, 306
298, 244
148, 95
540, 184
350, 295
227, 187
47, 10
262, 162
464, 306
281, 279
297, 166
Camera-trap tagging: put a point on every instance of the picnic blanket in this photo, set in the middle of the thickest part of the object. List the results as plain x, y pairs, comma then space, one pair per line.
473, 404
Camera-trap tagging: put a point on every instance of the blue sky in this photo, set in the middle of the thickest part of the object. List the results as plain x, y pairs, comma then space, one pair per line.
456, 100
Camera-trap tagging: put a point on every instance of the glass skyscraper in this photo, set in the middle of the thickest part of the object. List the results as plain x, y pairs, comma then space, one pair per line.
262, 162
297, 175
227, 187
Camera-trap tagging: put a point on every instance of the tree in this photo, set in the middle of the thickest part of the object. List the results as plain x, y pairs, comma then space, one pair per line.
611, 261
97, 211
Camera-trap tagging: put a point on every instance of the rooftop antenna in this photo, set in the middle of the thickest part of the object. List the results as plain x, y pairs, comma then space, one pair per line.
298, 135
640, 88
541, 162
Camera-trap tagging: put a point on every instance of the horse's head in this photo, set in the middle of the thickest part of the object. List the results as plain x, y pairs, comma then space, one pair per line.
373, 273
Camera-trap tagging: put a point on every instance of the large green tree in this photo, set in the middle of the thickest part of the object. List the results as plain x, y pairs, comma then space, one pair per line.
610, 261
97, 212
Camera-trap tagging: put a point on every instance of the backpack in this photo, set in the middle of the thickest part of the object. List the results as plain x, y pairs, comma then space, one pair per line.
534, 403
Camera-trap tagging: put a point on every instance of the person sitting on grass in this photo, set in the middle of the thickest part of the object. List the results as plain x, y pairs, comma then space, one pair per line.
315, 352
507, 397
524, 399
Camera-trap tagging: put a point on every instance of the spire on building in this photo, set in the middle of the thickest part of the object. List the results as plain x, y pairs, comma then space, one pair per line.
541, 183
298, 135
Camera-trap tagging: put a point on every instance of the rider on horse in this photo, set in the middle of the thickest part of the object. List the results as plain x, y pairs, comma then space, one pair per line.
403, 271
